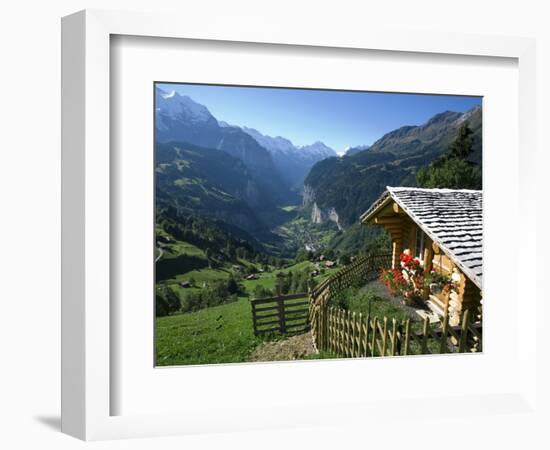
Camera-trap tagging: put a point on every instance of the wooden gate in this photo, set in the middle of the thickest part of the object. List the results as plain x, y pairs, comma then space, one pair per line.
286, 314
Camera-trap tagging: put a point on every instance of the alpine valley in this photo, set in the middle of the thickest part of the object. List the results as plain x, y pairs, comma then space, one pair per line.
276, 198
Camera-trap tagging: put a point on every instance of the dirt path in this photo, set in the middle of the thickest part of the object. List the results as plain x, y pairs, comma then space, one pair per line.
160, 254
295, 347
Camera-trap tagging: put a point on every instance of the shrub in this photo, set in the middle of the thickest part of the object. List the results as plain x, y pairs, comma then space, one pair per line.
262, 292
393, 280
407, 280
218, 293
167, 301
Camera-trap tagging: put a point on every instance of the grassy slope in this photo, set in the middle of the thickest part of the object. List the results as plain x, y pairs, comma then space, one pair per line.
176, 249
220, 334
268, 279
195, 263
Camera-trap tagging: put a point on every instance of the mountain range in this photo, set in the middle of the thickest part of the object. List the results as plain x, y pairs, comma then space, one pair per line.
275, 161
180, 119
350, 151
253, 182
341, 189
293, 162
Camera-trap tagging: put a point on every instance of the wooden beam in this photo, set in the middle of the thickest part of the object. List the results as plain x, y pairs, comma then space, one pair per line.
394, 229
428, 257
396, 251
382, 220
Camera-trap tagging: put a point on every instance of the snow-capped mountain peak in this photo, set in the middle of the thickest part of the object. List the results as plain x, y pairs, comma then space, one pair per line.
466, 115
174, 105
170, 94
318, 148
273, 144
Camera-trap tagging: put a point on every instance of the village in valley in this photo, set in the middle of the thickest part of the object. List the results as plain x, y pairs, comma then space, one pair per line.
377, 252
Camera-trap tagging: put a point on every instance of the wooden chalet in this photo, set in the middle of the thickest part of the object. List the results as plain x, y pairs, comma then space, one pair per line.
443, 229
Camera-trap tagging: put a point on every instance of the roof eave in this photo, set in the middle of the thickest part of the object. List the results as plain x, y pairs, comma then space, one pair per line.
380, 203
463, 268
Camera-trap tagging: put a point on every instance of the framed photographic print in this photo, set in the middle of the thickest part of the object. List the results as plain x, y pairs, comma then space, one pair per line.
238, 235
268, 250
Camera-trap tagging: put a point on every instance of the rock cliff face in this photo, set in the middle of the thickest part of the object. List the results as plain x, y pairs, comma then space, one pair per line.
316, 214
308, 196
252, 194
333, 217
319, 215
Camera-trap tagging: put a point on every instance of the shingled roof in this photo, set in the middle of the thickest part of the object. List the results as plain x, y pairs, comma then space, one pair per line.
451, 217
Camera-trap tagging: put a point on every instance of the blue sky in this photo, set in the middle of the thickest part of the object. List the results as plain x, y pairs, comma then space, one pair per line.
338, 118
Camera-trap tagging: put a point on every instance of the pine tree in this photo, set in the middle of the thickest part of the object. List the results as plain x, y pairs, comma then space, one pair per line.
463, 144
453, 170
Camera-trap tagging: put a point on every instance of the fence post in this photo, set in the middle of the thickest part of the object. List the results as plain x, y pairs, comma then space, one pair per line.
360, 336
281, 311
342, 333
327, 342
374, 331
325, 327
346, 333
425, 330
353, 335
253, 305
334, 330
407, 335
394, 337
443, 343
322, 310
366, 337
399, 338
385, 338
350, 334
464, 331
337, 331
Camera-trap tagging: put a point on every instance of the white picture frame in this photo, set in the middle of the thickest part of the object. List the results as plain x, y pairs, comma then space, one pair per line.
87, 384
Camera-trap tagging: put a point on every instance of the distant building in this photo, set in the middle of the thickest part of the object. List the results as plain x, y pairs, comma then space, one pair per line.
185, 284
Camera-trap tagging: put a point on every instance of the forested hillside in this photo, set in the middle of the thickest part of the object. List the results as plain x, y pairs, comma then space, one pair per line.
351, 183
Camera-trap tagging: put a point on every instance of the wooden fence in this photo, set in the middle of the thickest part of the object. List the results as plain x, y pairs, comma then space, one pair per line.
362, 270
346, 334
286, 314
